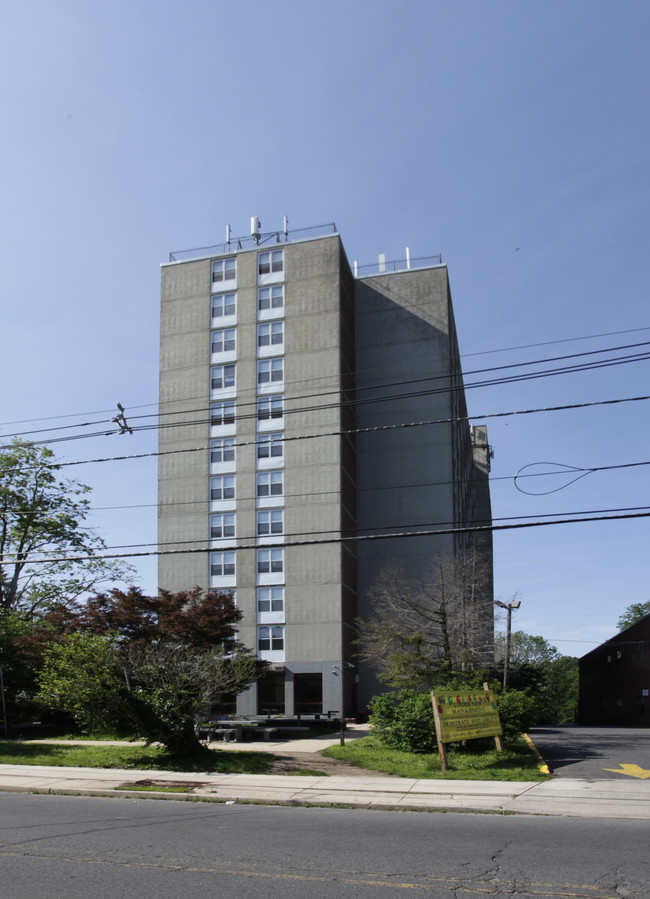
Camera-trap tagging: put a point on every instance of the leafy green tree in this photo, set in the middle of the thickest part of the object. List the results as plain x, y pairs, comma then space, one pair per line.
633, 613
156, 691
150, 665
525, 649
43, 516
538, 669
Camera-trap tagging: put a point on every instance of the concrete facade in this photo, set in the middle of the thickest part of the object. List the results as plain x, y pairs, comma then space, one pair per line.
277, 367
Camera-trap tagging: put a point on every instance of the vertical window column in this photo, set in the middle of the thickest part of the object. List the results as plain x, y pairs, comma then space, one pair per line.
221, 369
269, 478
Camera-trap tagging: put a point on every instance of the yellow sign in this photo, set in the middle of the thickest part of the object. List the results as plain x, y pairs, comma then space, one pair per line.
631, 771
465, 716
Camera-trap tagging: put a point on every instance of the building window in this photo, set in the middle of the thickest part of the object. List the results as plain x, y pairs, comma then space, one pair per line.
223, 341
270, 522
270, 599
222, 526
222, 487
223, 270
222, 564
270, 334
270, 298
270, 483
269, 407
222, 451
270, 371
270, 561
271, 263
270, 446
222, 376
270, 639
222, 414
223, 305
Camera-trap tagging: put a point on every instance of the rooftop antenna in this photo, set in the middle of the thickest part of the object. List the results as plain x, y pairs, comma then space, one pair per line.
255, 228
228, 235
285, 226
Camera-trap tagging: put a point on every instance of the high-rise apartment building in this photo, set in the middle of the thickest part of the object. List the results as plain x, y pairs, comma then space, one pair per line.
323, 435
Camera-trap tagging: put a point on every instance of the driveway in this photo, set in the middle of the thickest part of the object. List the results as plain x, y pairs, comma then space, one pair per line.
590, 751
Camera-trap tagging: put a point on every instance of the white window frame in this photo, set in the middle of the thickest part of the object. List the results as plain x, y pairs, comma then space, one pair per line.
223, 272
269, 523
270, 301
270, 412
225, 563
223, 380
224, 486
270, 266
270, 374
270, 338
224, 524
223, 345
270, 450
269, 488
273, 635
222, 454
222, 418
223, 308
269, 565
270, 601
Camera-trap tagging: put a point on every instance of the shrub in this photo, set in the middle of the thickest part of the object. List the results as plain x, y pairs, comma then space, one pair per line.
517, 711
404, 721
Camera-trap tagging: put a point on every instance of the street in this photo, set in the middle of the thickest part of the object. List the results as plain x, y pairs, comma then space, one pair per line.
63, 846
593, 752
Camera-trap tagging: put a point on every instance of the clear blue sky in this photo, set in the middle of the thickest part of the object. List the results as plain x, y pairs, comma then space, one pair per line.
510, 137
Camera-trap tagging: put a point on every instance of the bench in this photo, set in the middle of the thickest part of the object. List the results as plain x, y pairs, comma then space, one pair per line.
284, 731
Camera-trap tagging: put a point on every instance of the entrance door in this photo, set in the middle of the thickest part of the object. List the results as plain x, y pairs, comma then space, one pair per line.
270, 694
308, 694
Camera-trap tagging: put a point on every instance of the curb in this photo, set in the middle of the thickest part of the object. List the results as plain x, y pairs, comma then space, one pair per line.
541, 763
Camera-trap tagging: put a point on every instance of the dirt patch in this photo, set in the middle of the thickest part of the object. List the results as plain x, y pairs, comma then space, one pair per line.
291, 763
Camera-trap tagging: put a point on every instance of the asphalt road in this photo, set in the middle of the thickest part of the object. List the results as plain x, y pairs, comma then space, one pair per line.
592, 751
74, 847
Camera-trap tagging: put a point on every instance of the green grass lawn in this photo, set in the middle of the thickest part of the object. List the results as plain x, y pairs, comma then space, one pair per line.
129, 756
479, 761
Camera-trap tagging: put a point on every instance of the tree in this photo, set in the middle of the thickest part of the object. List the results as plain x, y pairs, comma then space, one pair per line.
42, 515
150, 665
525, 649
538, 669
189, 617
424, 629
633, 613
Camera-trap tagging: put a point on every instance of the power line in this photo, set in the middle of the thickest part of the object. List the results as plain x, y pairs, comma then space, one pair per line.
402, 528
462, 356
340, 540
376, 428
445, 376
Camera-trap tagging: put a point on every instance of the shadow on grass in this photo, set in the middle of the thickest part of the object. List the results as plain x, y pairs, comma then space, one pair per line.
136, 757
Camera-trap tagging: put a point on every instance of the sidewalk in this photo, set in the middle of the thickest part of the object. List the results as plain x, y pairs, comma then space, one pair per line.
563, 797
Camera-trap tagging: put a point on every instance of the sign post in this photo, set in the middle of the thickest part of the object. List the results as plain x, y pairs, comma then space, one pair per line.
465, 716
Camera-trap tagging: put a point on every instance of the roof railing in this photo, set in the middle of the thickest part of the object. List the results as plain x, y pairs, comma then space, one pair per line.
250, 241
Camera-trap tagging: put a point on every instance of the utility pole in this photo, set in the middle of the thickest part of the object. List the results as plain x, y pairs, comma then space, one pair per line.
513, 604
